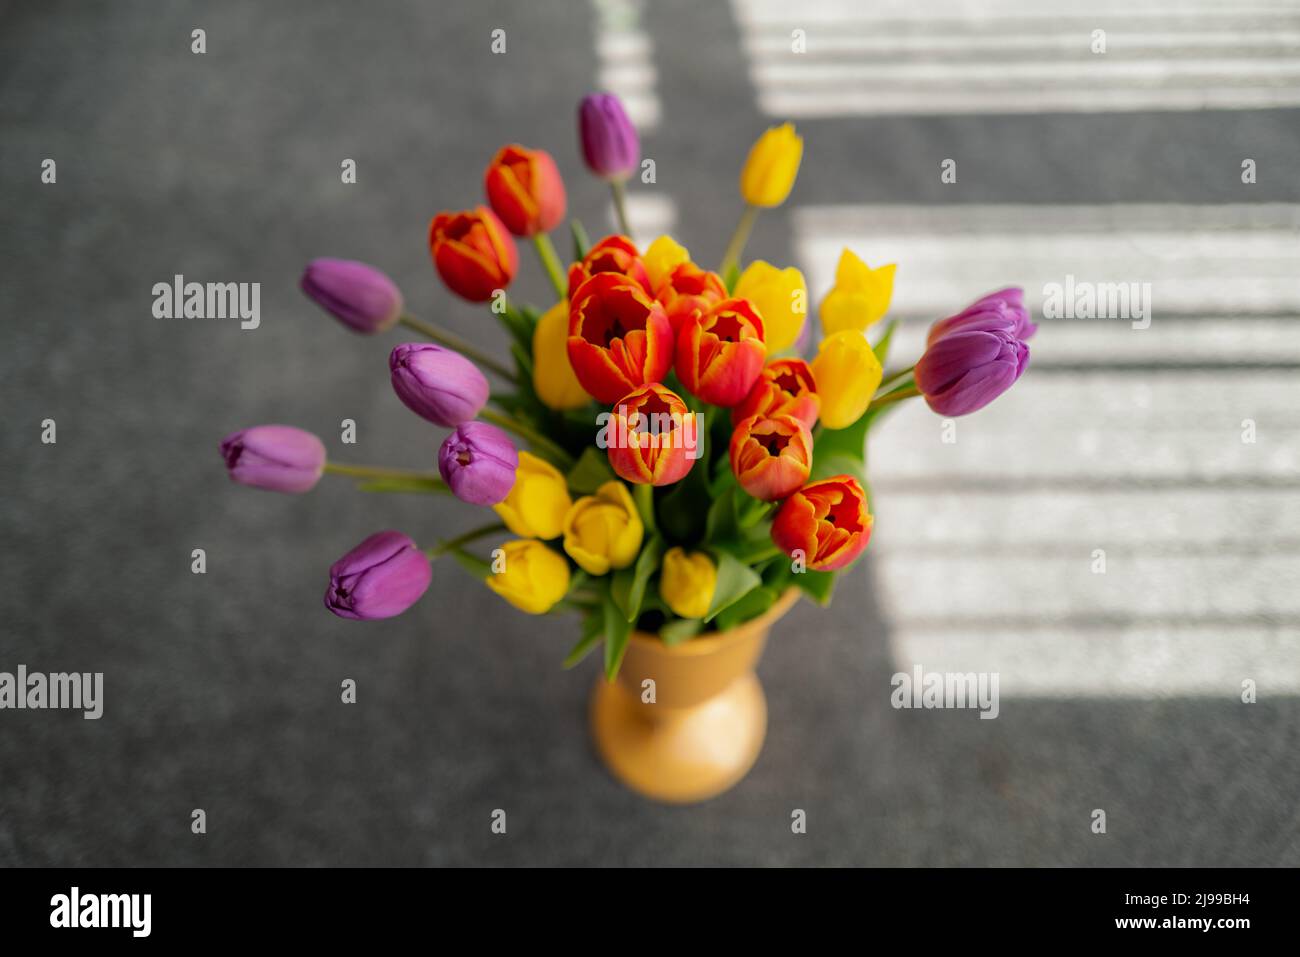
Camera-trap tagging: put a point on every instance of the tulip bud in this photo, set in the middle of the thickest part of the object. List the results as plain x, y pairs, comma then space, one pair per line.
826, 523
859, 297
382, 577
771, 457
478, 462
554, 380
773, 162
533, 577
1008, 303
720, 352
538, 501
688, 290
436, 383
847, 374
613, 254
687, 581
610, 145
781, 298
652, 437
604, 530
473, 253
784, 387
278, 458
663, 256
359, 296
525, 189
619, 338
973, 357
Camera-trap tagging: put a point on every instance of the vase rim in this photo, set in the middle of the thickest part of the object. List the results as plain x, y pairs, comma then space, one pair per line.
710, 643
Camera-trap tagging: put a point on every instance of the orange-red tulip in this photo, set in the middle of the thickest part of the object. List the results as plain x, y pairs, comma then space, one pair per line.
825, 523
473, 253
689, 289
525, 190
619, 338
616, 254
652, 437
771, 456
784, 387
720, 352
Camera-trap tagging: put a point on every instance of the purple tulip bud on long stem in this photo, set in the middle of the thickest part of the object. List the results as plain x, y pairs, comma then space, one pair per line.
359, 296
279, 458
382, 577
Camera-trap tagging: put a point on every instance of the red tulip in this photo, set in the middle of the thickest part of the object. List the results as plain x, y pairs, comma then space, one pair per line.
619, 338
525, 190
771, 456
473, 253
826, 523
652, 437
784, 387
616, 254
688, 289
720, 352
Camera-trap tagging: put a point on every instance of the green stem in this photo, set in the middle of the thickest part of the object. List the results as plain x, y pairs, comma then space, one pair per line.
893, 377
731, 257
442, 548
896, 396
551, 263
379, 474
453, 341
564, 459
620, 206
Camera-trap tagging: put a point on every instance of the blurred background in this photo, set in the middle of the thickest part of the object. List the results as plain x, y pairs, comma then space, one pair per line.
1119, 691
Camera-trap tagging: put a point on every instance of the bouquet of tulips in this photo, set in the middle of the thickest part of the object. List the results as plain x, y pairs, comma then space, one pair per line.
685, 466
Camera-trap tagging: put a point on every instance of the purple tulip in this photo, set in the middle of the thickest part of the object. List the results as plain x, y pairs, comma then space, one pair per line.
610, 145
359, 296
478, 462
436, 383
275, 457
382, 577
973, 357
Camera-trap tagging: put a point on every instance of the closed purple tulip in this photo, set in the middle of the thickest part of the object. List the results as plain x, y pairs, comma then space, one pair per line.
382, 577
275, 457
973, 357
436, 383
610, 145
478, 462
359, 296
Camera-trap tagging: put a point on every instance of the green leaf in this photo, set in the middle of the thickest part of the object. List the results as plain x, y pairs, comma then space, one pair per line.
816, 585
617, 632
478, 567
881, 348
679, 630
842, 451
590, 472
518, 327
523, 359
581, 241
592, 629
735, 580
647, 564
428, 486
750, 606
732, 276
722, 525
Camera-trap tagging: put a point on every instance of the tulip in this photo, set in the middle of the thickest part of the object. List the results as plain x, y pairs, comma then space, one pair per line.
382, 577
436, 383
614, 254
784, 387
688, 289
553, 378
1009, 302
278, 458
652, 437
359, 296
619, 338
525, 190
781, 298
663, 256
773, 162
478, 463
473, 253
720, 352
610, 145
859, 297
848, 374
538, 501
604, 531
532, 577
825, 524
771, 456
687, 581
975, 356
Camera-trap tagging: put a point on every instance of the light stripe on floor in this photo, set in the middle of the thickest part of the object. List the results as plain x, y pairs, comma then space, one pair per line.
625, 55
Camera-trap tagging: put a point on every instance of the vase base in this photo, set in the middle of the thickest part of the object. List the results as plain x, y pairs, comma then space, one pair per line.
680, 755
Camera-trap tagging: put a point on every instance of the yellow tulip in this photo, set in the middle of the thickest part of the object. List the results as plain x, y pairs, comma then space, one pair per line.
604, 530
532, 577
772, 165
859, 297
663, 256
553, 377
781, 298
538, 501
687, 581
848, 374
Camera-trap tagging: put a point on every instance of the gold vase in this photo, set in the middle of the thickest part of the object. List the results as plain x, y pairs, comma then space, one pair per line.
706, 724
